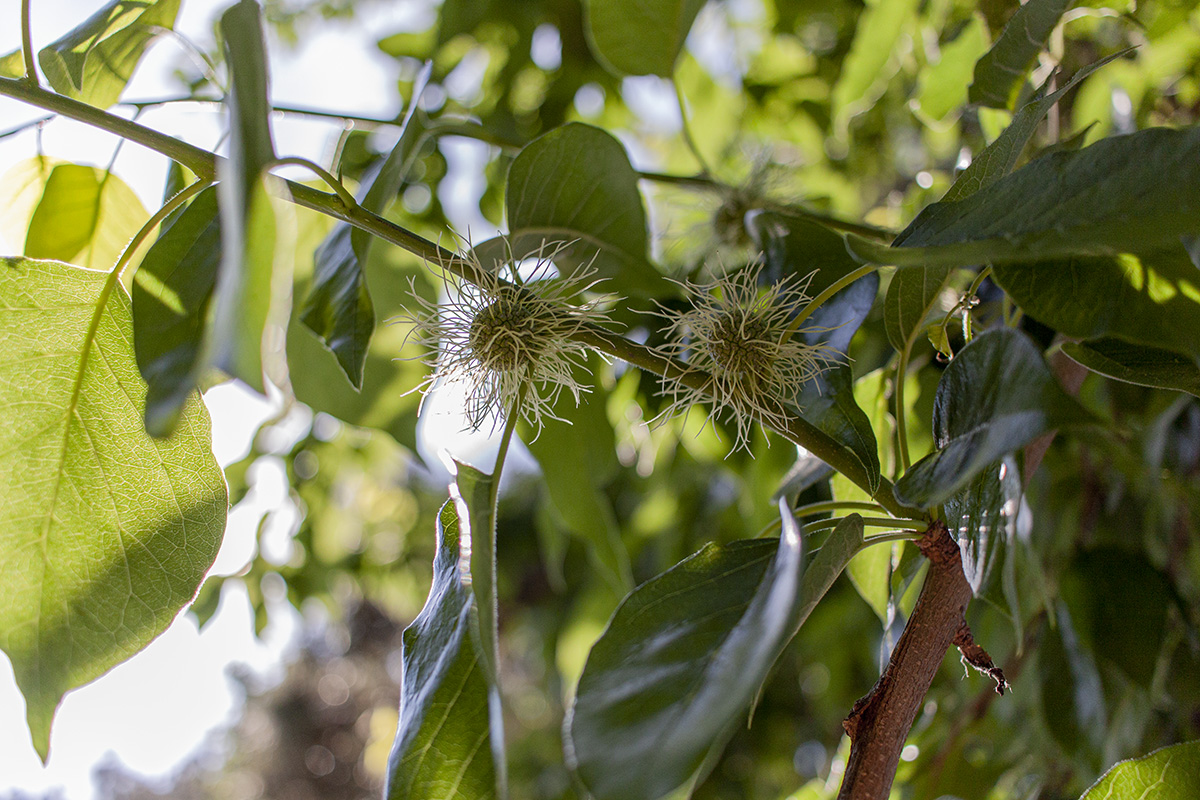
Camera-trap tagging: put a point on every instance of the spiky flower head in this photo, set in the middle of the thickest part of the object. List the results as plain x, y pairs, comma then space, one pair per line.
740, 336
507, 333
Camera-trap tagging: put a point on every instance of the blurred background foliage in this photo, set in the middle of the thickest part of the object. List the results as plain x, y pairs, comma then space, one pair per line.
847, 109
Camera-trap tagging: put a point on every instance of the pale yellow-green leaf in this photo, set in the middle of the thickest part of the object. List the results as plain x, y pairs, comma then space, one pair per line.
105, 533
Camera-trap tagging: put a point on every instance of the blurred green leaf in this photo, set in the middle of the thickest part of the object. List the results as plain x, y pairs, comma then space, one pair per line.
105, 533
869, 64
253, 288
943, 86
575, 185
338, 306
1071, 691
1169, 773
94, 61
715, 622
443, 748
1139, 364
171, 293
635, 37
1105, 199
1153, 299
996, 396
1001, 72
85, 216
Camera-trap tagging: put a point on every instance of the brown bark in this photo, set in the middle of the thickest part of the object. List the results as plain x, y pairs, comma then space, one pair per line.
879, 723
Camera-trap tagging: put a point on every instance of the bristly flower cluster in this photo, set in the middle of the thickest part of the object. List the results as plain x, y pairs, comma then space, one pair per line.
508, 337
738, 333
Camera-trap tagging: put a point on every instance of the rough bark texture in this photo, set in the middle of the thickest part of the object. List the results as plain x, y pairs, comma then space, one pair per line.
879, 723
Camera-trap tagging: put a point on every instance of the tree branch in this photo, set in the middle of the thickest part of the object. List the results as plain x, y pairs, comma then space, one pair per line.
879, 723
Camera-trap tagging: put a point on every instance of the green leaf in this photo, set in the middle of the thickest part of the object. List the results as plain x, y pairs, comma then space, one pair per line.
1105, 199
685, 655
1139, 364
797, 247
996, 396
254, 282
869, 64
943, 86
85, 216
105, 534
1071, 691
1001, 72
999, 158
1153, 299
443, 748
338, 307
1169, 773
171, 293
12, 65
910, 297
983, 520
575, 185
94, 61
636, 37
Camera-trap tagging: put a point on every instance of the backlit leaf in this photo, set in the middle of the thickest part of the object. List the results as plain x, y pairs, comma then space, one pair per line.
105, 533
1170, 773
94, 61
870, 63
636, 37
85, 216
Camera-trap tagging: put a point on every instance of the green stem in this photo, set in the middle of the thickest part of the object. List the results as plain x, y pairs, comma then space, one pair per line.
31, 75
898, 536
834, 288
333, 183
168, 208
510, 424
204, 165
835, 505
872, 522
687, 131
968, 304
901, 417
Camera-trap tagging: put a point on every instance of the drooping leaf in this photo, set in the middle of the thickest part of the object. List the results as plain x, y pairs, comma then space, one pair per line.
171, 293
685, 654
105, 533
996, 396
910, 298
253, 288
794, 247
443, 748
85, 216
575, 185
982, 518
1169, 773
473, 506
1151, 299
635, 37
1001, 72
1135, 363
1071, 690
94, 61
338, 307
1102, 200
870, 64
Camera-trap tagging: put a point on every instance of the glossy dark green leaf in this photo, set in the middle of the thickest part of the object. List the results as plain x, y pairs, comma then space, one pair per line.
1169, 773
250, 296
635, 37
171, 293
338, 307
85, 216
105, 533
575, 185
94, 61
910, 297
1001, 72
996, 396
1136, 363
794, 247
1071, 691
1105, 199
1152, 299
982, 518
443, 748
686, 653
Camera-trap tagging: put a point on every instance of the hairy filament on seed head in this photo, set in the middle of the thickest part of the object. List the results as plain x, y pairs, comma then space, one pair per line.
508, 341
738, 333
